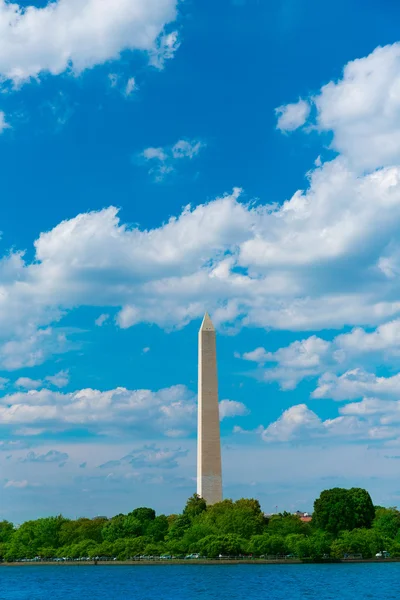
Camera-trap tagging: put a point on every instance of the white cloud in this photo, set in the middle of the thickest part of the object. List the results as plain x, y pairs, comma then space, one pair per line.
125, 87
254, 265
163, 411
59, 380
356, 384
150, 456
3, 122
113, 79
16, 484
52, 456
78, 34
130, 86
301, 425
34, 349
231, 408
101, 320
295, 422
292, 116
362, 109
259, 355
186, 149
146, 350
312, 356
301, 359
3, 382
163, 159
288, 258
165, 48
28, 383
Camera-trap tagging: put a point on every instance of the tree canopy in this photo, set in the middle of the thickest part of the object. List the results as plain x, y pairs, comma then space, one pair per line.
344, 522
339, 509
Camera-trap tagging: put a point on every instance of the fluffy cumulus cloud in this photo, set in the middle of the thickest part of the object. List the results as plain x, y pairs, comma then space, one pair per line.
326, 258
231, 408
79, 34
312, 356
28, 383
255, 265
303, 358
362, 109
373, 416
356, 384
58, 380
301, 425
169, 412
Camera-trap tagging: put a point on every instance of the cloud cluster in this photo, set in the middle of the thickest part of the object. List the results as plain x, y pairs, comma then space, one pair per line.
259, 266
361, 110
52, 456
327, 257
301, 425
169, 412
312, 356
78, 34
357, 383
149, 457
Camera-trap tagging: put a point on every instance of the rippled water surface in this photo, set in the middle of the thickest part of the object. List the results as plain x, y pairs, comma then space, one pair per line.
244, 582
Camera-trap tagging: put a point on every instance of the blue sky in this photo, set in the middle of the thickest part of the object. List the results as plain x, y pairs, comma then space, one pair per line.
163, 158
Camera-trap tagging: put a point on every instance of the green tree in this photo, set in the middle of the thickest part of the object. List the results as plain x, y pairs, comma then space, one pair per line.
359, 541
387, 522
339, 509
194, 506
6, 531
287, 524
364, 510
158, 528
226, 545
143, 514
259, 545
243, 518
178, 527
82, 529
320, 544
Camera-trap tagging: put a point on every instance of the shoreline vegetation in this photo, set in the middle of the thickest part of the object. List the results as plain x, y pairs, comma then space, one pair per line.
345, 527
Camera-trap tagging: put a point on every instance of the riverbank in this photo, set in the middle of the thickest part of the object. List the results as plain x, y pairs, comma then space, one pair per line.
138, 563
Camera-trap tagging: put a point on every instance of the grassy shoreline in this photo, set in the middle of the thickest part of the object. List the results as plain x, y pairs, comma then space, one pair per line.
137, 563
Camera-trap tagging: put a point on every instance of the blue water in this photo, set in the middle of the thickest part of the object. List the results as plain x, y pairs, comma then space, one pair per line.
244, 582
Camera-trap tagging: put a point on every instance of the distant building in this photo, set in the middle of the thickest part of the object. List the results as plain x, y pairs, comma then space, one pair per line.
303, 516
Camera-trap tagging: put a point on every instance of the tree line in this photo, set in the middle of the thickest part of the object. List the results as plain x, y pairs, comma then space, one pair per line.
343, 522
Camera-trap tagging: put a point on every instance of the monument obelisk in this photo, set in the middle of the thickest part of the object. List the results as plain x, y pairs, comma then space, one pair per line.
209, 473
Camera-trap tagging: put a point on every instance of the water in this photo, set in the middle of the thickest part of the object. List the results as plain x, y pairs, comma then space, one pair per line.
244, 582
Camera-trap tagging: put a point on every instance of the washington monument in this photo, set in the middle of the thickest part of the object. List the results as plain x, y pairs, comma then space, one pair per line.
209, 477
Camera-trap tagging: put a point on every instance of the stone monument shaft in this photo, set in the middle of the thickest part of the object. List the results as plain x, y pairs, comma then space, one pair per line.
209, 473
